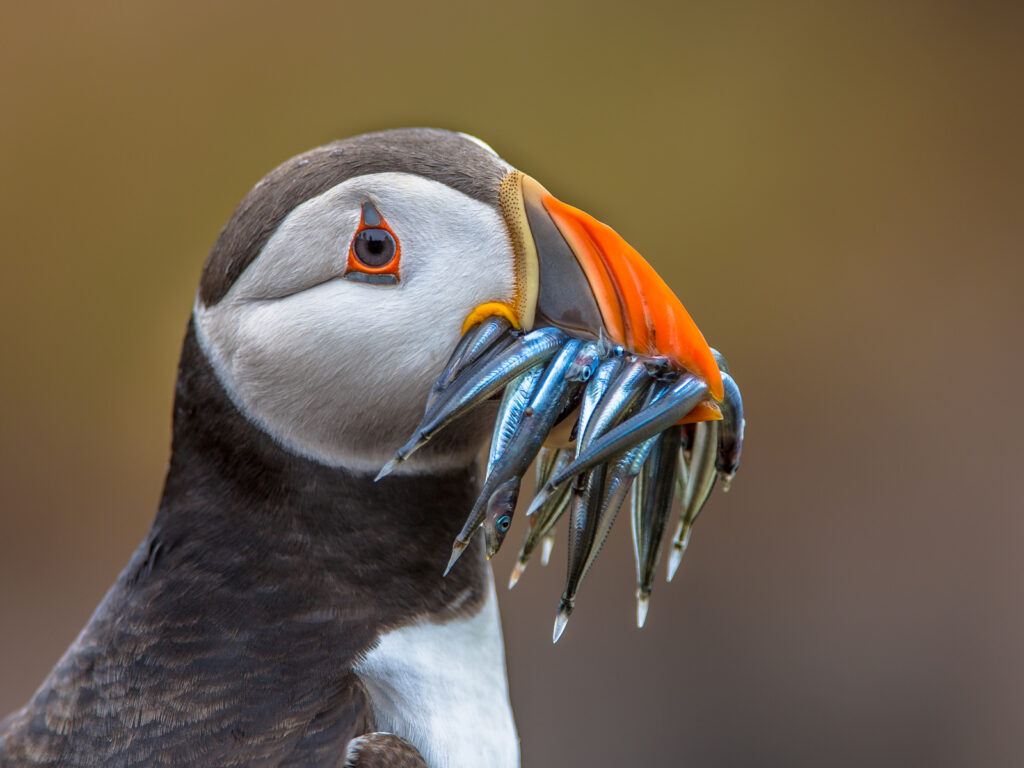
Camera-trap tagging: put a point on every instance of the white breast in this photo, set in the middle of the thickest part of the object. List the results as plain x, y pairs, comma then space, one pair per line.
442, 687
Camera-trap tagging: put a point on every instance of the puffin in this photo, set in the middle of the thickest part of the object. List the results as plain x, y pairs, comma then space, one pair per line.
286, 608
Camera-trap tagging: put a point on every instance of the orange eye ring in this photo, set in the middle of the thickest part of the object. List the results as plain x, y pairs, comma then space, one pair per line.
374, 238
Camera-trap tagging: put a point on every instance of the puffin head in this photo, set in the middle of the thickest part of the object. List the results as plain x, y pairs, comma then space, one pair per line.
339, 287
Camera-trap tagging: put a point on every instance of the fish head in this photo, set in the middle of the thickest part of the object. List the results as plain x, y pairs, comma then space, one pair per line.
498, 520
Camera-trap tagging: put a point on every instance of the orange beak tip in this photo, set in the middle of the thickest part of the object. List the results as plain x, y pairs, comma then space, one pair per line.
715, 385
706, 410
637, 307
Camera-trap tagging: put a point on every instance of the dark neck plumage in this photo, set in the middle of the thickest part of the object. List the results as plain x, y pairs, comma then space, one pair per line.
263, 581
272, 534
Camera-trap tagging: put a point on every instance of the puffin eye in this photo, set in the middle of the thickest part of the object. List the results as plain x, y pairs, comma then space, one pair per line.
375, 252
503, 523
374, 247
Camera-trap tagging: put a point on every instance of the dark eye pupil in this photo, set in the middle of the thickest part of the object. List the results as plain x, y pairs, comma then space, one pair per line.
374, 247
504, 522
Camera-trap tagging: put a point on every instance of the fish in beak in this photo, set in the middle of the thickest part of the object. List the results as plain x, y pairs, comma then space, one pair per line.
649, 371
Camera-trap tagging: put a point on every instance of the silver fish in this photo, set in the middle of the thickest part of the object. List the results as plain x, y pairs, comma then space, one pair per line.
583, 507
580, 372
699, 484
596, 387
686, 441
593, 515
676, 402
498, 518
622, 393
588, 357
474, 342
541, 531
501, 506
547, 546
561, 460
546, 515
723, 364
549, 397
510, 412
652, 506
619, 479
547, 459
502, 502
684, 469
478, 383
730, 432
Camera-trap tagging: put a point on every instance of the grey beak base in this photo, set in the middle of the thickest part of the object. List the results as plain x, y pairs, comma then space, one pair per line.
565, 299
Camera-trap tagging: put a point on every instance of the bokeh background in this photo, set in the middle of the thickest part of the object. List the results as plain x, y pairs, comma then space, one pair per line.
834, 190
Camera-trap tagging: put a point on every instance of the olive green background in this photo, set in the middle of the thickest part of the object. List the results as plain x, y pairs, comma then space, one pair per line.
833, 189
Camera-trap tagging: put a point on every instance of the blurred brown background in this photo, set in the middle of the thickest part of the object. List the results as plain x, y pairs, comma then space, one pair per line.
834, 190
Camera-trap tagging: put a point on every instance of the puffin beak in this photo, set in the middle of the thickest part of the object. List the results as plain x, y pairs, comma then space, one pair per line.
577, 274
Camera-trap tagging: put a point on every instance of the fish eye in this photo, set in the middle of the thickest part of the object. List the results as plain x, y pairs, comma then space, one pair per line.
504, 523
374, 247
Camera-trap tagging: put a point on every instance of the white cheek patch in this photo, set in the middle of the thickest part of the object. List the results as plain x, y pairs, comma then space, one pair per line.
337, 370
308, 248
